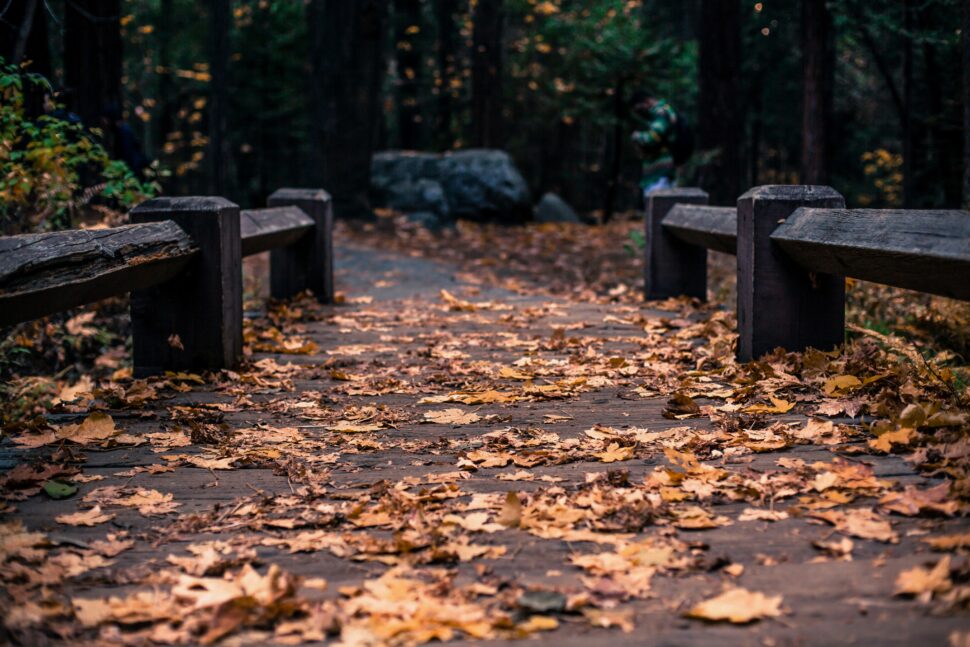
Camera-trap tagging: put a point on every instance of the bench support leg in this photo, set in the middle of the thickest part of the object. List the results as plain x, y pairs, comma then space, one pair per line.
779, 303
308, 263
672, 268
193, 322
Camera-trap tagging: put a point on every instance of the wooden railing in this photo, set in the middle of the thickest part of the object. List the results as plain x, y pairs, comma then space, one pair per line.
181, 259
795, 245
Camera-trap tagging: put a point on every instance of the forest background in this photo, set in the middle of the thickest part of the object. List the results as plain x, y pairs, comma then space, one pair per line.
240, 97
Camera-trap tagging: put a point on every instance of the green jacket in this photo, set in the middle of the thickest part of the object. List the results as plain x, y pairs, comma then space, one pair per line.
652, 135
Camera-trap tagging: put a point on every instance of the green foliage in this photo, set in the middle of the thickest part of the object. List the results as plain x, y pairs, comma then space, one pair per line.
577, 55
43, 158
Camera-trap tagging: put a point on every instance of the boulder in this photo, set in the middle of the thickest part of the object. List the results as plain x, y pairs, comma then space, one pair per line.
552, 208
476, 184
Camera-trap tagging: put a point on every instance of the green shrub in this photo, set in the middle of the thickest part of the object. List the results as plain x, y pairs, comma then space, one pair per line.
43, 160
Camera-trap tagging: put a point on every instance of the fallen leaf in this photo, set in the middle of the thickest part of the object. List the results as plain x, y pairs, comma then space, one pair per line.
451, 417
91, 517
925, 582
738, 606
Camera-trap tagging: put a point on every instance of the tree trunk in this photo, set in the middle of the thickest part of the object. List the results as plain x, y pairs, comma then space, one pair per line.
965, 44
616, 152
909, 134
445, 19
720, 121
347, 69
92, 57
219, 21
942, 122
23, 33
407, 16
818, 60
487, 127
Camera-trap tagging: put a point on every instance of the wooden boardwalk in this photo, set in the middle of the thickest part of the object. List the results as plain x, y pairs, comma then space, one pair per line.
334, 449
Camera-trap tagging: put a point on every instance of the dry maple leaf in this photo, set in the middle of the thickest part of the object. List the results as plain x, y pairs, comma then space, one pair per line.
859, 522
777, 406
949, 542
91, 517
614, 452
16, 541
913, 501
925, 582
739, 606
348, 427
841, 384
453, 416
886, 441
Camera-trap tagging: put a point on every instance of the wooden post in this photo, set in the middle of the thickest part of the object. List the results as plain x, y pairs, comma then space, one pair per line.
672, 267
780, 304
193, 322
308, 263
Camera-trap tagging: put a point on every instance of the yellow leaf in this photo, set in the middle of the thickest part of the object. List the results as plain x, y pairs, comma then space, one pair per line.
738, 606
841, 384
615, 453
885, 442
777, 406
924, 581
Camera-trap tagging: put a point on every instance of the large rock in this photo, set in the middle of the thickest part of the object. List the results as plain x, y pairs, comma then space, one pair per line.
552, 208
477, 184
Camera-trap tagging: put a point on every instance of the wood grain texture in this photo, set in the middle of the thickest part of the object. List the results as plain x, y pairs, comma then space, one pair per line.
920, 250
671, 266
307, 264
780, 304
708, 227
265, 229
45, 273
195, 322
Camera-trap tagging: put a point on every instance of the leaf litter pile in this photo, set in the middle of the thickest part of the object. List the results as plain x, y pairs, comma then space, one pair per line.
525, 451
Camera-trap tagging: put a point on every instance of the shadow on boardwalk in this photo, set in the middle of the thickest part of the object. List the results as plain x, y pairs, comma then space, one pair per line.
474, 463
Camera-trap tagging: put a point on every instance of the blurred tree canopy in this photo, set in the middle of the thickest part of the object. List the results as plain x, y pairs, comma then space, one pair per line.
887, 121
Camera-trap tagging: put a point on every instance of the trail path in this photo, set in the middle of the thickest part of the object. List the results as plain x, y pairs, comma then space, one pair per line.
537, 504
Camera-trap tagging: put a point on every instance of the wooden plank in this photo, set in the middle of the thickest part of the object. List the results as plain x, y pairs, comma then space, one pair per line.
265, 229
779, 303
307, 264
920, 250
194, 323
45, 273
708, 227
671, 266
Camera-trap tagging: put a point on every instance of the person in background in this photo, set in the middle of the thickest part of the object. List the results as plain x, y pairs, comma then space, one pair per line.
663, 138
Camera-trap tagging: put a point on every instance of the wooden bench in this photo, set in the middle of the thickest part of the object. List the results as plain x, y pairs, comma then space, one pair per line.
795, 245
181, 259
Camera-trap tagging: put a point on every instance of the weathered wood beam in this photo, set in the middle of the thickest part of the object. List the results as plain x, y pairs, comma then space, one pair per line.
779, 303
920, 250
709, 227
672, 267
308, 263
193, 323
265, 229
45, 273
